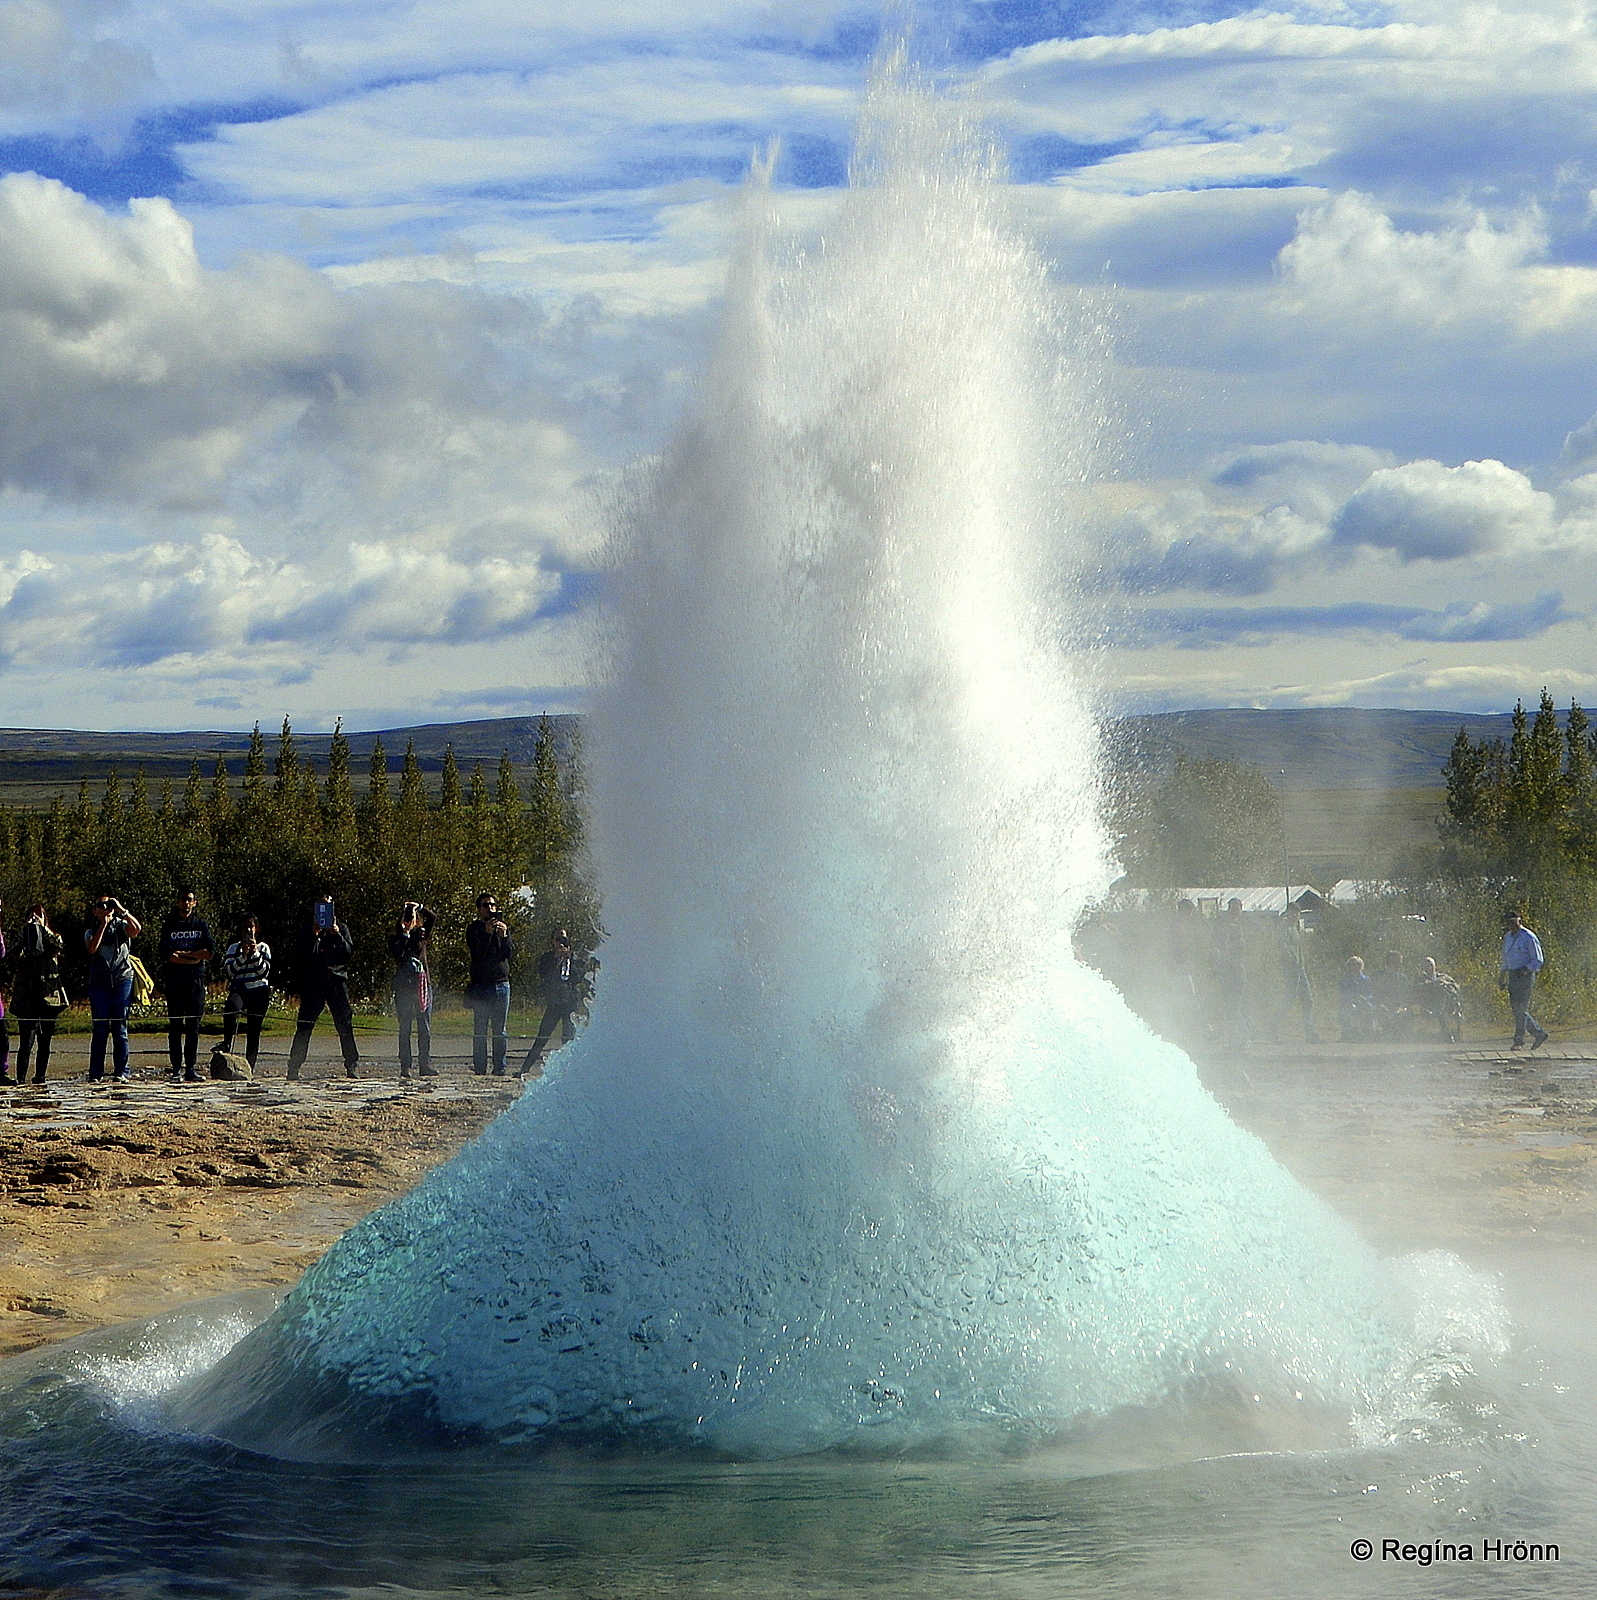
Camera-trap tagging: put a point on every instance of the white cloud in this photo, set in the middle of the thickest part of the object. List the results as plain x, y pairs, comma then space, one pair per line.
216, 602
1369, 229
1425, 511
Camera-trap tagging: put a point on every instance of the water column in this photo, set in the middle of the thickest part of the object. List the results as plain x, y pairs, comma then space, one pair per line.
854, 1154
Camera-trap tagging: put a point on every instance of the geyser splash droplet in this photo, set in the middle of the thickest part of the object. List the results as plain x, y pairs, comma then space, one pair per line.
854, 1153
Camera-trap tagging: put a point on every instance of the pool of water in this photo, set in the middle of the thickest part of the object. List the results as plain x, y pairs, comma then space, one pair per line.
100, 1499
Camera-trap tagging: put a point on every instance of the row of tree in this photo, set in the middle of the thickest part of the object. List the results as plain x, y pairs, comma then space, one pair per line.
272, 838
1520, 830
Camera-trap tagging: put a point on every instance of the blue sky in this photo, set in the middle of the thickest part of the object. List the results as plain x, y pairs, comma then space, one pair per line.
324, 326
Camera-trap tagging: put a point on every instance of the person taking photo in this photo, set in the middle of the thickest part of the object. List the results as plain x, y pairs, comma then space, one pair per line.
112, 929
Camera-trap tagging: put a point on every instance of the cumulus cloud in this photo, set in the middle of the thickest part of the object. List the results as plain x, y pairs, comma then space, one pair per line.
135, 374
217, 601
332, 471
1184, 543
1274, 511
1425, 511
1349, 252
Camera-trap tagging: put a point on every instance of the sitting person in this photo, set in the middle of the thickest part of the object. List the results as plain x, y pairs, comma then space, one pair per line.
1393, 994
1437, 995
1356, 1001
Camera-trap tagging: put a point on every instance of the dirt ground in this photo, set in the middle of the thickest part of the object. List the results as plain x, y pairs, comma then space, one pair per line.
1425, 1146
120, 1203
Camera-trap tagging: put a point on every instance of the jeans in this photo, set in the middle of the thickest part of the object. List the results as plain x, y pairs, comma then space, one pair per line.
185, 1005
412, 1014
1520, 982
108, 1006
251, 1004
335, 1000
490, 1009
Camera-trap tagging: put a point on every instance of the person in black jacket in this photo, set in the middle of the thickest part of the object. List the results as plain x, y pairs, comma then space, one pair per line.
185, 951
37, 997
413, 985
564, 984
324, 953
489, 943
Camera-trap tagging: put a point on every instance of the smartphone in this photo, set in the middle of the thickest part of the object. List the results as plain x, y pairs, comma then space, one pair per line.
326, 916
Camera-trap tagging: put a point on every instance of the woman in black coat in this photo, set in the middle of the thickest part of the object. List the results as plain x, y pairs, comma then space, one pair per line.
37, 997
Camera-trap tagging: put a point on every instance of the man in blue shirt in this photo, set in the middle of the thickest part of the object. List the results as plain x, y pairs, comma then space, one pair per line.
1522, 960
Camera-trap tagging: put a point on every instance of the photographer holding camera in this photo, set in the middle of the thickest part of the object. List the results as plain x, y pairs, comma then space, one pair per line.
413, 987
324, 953
112, 928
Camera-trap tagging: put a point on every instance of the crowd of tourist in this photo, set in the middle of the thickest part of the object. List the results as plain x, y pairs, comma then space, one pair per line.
1236, 977
316, 973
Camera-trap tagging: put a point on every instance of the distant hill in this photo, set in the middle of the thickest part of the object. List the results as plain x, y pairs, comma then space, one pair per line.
1332, 748
1323, 748
36, 763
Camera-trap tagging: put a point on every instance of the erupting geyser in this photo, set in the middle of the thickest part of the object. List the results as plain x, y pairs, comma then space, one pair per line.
854, 1153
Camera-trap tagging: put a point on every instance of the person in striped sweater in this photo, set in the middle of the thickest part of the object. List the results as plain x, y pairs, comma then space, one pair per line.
247, 966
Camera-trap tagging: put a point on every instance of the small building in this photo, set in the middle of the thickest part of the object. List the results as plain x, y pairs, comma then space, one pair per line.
1211, 901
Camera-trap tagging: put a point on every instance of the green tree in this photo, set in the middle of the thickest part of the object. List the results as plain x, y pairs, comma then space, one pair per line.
255, 777
1209, 821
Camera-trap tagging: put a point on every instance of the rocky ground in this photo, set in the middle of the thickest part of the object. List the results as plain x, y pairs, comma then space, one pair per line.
1425, 1145
120, 1203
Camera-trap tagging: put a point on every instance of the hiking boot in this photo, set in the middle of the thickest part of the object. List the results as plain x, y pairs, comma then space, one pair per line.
1539, 1040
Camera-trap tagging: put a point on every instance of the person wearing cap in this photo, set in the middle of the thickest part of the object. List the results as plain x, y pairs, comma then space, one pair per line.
1522, 960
